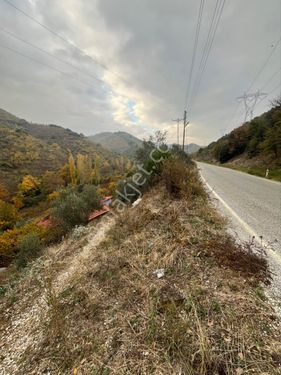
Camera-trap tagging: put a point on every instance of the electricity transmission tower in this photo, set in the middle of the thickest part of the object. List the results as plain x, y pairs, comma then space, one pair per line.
250, 101
178, 129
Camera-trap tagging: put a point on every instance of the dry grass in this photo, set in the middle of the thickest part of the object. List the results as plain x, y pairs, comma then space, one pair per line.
204, 317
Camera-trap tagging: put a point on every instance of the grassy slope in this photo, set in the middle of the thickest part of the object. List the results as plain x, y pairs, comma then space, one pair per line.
256, 166
94, 304
34, 148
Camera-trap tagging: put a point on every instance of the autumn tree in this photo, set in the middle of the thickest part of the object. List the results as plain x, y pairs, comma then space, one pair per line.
105, 168
64, 173
8, 215
51, 182
84, 169
17, 200
72, 169
96, 172
29, 186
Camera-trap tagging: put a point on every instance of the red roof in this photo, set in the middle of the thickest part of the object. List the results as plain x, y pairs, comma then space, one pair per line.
46, 223
98, 213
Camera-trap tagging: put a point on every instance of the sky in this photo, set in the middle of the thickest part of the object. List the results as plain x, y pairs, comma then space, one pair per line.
109, 65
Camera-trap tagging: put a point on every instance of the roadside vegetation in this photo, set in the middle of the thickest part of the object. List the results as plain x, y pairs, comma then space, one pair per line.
253, 147
166, 291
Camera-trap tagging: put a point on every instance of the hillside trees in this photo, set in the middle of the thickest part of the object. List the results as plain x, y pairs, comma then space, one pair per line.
51, 182
29, 186
55, 202
96, 175
261, 137
84, 169
8, 215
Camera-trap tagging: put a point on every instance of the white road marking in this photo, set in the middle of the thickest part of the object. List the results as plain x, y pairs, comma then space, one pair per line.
246, 227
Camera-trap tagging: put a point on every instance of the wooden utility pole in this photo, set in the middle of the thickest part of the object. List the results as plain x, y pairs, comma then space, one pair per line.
178, 129
185, 123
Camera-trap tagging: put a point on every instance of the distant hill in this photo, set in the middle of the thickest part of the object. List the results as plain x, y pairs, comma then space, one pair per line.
191, 148
120, 142
254, 146
34, 148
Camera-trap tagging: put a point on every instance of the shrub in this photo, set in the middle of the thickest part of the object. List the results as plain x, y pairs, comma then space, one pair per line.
73, 206
222, 152
8, 216
33, 200
53, 196
17, 201
50, 182
55, 232
90, 196
28, 247
9, 240
70, 209
29, 186
181, 179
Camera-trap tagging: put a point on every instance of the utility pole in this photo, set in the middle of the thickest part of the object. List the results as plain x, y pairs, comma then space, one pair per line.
178, 129
185, 123
250, 101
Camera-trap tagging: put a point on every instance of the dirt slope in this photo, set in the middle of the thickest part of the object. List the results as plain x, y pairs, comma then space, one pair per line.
94, 304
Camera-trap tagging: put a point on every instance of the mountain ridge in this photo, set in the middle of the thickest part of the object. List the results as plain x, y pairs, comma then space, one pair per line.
30, 148
120, 142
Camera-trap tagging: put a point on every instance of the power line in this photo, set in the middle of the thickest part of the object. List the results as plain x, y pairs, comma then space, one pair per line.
210, 41
270, 92
41, 63
36, 61
208, 45
53, 32
233, 115
50, 54
270, 79
263, 65
195, 46
94, 59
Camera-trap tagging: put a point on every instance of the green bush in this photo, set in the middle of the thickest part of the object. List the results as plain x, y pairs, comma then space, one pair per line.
74, 205
28, 248
90, 197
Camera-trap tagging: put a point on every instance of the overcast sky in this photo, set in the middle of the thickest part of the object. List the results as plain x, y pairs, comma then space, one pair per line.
130, 71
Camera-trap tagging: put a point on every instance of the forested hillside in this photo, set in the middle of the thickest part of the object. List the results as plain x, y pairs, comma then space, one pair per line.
51, 180
28, 148
256, 145
120, 142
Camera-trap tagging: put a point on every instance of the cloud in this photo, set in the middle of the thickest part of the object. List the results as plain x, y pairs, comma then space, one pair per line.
146, 47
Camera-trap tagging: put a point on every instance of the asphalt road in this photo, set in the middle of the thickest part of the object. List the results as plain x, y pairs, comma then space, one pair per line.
253, 204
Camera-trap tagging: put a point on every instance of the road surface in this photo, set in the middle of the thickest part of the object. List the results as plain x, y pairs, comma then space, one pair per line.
253, 208
253, 202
